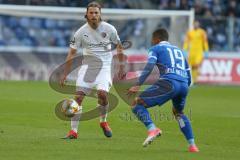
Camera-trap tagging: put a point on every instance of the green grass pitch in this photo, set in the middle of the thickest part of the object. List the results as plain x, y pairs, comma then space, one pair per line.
29, 128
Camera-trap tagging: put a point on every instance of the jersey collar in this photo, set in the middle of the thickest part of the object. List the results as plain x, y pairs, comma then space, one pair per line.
164, 42
96, 28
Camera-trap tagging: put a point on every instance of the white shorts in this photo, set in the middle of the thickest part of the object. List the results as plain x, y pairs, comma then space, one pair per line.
99, 78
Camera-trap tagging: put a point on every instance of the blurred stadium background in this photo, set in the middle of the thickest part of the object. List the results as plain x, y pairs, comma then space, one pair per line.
34, 37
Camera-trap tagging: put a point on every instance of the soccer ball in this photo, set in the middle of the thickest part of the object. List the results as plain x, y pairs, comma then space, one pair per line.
70, 107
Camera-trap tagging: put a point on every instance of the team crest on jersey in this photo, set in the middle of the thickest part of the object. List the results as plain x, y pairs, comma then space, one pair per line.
103, 34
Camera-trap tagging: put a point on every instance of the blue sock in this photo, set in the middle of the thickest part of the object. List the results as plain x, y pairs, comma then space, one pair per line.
143, 115
186, 128
151, 127
191, 141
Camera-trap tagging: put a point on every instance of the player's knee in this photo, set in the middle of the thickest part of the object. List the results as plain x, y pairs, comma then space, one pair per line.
139, 101
102, 98
102, 94
177, 113
79, 97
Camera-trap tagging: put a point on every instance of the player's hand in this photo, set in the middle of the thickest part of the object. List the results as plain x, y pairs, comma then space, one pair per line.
121, 73
133, 90
185, 53
206, 54
62, 80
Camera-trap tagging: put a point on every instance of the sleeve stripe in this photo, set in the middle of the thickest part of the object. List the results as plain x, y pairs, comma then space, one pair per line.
152, 57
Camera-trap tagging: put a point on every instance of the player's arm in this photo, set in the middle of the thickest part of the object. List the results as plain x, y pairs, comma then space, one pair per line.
152, 60
186, 42
122, 61
188, 73
120, 55
205, 40
71, 54
146, 71
68, 64
74, 44
205, 44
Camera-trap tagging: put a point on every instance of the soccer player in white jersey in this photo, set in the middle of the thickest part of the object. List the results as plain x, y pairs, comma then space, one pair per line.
95, 38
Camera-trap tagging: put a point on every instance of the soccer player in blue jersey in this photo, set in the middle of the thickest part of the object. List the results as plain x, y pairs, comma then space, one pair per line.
173, 84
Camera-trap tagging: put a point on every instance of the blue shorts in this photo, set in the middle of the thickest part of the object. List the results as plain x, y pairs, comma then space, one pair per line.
164, 90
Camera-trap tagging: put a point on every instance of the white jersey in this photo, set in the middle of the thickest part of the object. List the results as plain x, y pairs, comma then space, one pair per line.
96, 42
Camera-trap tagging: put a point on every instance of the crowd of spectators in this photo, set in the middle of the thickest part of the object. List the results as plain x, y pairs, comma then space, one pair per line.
206, 8
214, 15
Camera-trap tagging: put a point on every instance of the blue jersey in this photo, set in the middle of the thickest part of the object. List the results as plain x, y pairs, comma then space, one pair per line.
170, 62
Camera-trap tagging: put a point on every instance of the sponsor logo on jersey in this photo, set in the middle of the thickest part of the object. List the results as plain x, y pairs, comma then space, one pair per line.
101, 44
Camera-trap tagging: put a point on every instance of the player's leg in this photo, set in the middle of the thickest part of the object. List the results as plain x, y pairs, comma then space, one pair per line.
103, 84
82, 88
186, 129
195, 62
195, 73
103, 105
182, 119
75, 119
103, 109
191, 61
140, 110
157, 94
73, 133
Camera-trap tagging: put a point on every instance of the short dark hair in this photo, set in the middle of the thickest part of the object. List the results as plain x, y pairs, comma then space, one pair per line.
94, 4
161, 33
